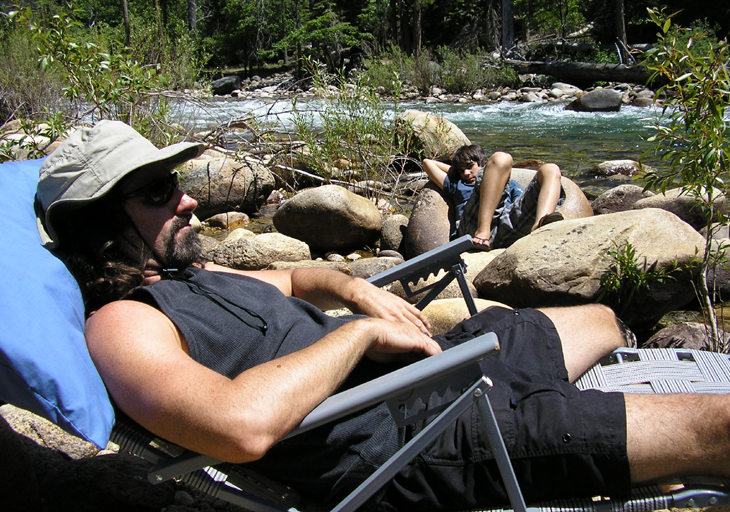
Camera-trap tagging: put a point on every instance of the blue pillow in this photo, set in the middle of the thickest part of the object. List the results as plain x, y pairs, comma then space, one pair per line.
45, 366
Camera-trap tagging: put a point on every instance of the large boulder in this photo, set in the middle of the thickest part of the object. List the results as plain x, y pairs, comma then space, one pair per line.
576, 203
561, 264
619, 199
598, 100
329, 218
223, 184
258, 252
428, 226
684, 205
393, 231
438, 137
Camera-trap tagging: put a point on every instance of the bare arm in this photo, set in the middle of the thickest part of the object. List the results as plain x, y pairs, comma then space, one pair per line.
147, 371
436, 170
329, 289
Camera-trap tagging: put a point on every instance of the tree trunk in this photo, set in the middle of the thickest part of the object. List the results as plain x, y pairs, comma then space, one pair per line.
620, 22
192, 15
492, 25
508, 25
127, 31
159, 20
583, 73
394, 22
416, 27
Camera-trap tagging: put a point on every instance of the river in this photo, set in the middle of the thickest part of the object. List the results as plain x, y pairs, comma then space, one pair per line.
576, 141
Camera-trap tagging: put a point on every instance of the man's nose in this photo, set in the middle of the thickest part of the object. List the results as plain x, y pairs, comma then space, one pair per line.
186, 203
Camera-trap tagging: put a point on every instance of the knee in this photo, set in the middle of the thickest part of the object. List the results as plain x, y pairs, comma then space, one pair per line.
551, 171
502, 160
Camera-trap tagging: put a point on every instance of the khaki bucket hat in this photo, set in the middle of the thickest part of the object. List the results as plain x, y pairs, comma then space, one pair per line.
90, 162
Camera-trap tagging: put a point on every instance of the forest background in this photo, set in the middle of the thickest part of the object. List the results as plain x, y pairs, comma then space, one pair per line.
247, 36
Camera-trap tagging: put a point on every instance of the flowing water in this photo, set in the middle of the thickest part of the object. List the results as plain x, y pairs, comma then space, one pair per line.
576, 141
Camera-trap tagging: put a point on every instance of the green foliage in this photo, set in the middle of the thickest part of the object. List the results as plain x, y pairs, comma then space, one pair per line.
177, 56
98, 84
26, 91
627, 278
351, 137
551, 17
463, 72
322, 38
692, 135
459, 72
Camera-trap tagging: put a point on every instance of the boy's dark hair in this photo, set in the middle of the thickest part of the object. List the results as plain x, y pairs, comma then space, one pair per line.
462, 158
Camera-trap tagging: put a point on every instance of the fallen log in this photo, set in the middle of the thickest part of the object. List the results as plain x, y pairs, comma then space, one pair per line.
583, 73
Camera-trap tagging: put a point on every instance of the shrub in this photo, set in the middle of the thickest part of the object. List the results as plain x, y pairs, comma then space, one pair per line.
26, 91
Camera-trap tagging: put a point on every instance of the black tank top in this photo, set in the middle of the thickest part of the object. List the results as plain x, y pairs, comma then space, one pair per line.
232, 323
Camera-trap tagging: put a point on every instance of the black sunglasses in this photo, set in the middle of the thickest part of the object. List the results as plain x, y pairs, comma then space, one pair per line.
158, 192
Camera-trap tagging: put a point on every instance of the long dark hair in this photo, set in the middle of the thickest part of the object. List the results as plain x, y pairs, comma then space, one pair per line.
89, 244
462, 157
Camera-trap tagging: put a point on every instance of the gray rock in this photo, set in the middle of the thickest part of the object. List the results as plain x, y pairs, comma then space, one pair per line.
259, 252
329, 218
438, 137
567, 89
598, 100
224, 184
561, 264
228, 220
619, 199
613, 167
367, 267
428, 226
684, 206
393, 231
689, 335
226, 85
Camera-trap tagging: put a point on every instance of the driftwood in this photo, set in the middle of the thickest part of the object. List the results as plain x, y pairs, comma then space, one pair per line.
583, 72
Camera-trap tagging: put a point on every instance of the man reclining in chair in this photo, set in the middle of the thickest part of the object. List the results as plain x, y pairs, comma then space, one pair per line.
227, 362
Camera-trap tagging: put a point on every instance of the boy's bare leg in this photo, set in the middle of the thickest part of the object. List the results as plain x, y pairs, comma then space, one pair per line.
496, 175
587, 333
548, 176
677, 435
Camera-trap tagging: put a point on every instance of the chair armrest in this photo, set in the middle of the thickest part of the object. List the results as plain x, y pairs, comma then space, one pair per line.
399, 382
425, 264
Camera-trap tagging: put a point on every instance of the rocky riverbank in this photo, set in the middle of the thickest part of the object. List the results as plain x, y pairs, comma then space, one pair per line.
284, 85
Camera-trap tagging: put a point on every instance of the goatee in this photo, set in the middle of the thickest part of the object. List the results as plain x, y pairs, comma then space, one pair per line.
184, 248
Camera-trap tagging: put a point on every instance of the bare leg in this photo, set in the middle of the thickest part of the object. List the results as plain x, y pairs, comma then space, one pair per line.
677, 435
495, 178
548, 176
587, 333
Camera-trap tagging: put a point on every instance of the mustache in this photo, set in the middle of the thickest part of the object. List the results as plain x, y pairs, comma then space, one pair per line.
179, 222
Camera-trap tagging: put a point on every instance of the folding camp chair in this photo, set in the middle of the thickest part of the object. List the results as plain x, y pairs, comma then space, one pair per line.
45, 368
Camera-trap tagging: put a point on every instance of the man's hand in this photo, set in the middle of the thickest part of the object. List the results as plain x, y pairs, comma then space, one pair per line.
377, 303
395, 340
